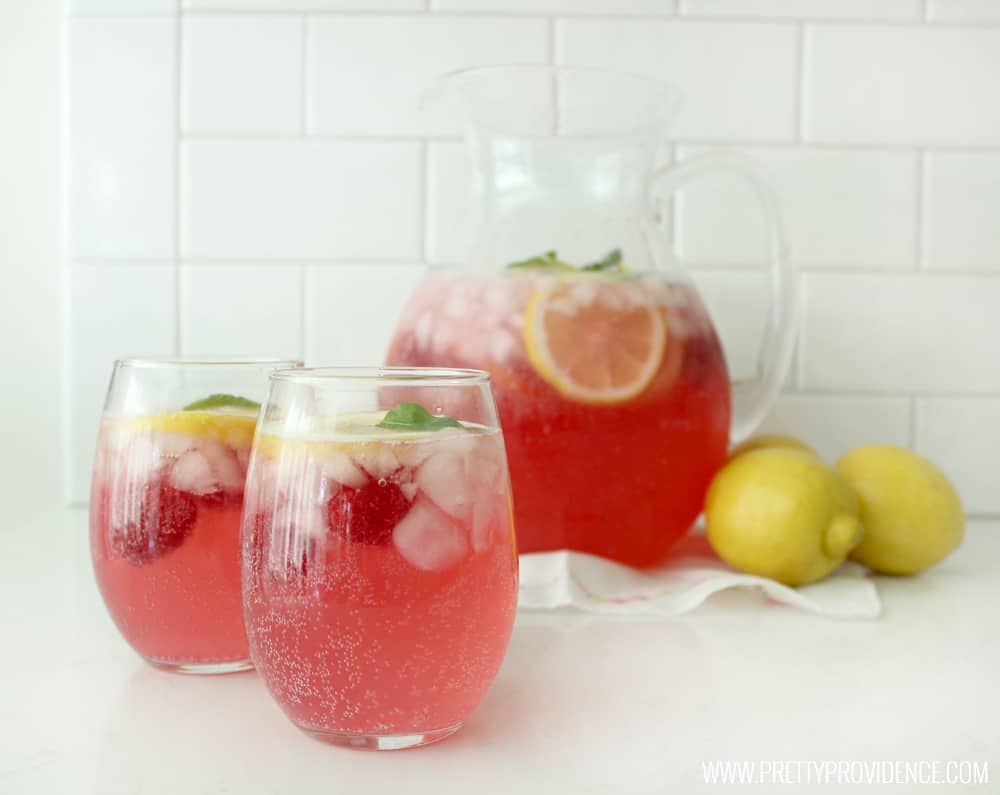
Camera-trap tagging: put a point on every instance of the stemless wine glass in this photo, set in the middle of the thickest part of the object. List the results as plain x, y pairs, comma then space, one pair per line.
379, 562
166, 501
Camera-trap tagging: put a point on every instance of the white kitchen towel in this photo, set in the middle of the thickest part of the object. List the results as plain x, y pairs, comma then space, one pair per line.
560, 579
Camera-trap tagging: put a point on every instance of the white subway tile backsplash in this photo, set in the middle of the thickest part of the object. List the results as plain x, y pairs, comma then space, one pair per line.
962, 220
129, 7
806, 9
241, 74
749, 94
964, 10
901, 333
902, 85
247, 310
352, 311
301, 199
839, 208
834, 424
274, 148
123, 117
962, 436
620, 7
369, 74
738, 303
115, 311
303, 5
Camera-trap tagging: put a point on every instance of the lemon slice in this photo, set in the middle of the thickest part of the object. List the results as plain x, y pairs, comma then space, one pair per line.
232, 428
595, 340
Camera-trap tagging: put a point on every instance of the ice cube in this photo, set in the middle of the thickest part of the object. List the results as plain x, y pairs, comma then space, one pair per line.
173, 445
443, 479
413, 454
429, 538
226, 470
377, 460
487, 519
338, 466
486, 466
193, 473
409, 490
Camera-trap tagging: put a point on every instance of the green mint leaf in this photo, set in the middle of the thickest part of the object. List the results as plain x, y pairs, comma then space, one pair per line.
414, 417
538, 261
611, 261
220, 400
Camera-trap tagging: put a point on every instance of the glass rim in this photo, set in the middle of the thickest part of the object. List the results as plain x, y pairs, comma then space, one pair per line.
382, 376
206, 361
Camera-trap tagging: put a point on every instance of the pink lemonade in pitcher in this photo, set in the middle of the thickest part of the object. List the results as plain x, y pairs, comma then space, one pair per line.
380, 576
611, 388
166, 502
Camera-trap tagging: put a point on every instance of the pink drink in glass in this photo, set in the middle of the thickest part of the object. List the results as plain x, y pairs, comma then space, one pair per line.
380, 578
166, 503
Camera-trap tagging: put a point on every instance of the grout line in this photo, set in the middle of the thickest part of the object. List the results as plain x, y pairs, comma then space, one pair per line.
680, 16
913, 422
196, 261
303, 310
791, 143
304, 73
745, 267
178, 104
424, 200
65, 263
553, 41
848, 270
920, 210
306, 313
847, 394
200, 137
895, 392
800, 85
850, 146
799, 362
685, 17
66, 344
73, 17
927, 10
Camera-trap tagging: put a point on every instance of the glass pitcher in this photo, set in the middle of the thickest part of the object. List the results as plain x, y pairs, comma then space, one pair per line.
608, 374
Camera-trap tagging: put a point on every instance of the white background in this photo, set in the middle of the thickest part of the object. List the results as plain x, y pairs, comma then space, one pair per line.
254, 176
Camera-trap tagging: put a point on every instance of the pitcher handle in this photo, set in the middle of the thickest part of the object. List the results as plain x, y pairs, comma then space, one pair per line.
752, 397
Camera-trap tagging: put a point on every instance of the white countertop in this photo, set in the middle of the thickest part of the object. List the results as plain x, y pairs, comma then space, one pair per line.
583, 704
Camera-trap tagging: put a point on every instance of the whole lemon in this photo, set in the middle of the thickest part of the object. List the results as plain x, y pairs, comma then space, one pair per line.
781, 513
768, 440
912, 515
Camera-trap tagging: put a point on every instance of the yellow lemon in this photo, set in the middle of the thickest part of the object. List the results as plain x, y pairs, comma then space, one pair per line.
768, 440
232, 428
912, 515
782, 513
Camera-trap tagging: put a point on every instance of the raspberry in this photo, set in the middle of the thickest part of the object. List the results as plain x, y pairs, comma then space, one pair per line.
160, 522
367, 515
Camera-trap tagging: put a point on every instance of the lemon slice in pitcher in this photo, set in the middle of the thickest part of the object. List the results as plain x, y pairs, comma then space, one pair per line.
595, 340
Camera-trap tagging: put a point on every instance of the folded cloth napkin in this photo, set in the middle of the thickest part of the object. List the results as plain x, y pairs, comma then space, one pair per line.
694, 572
